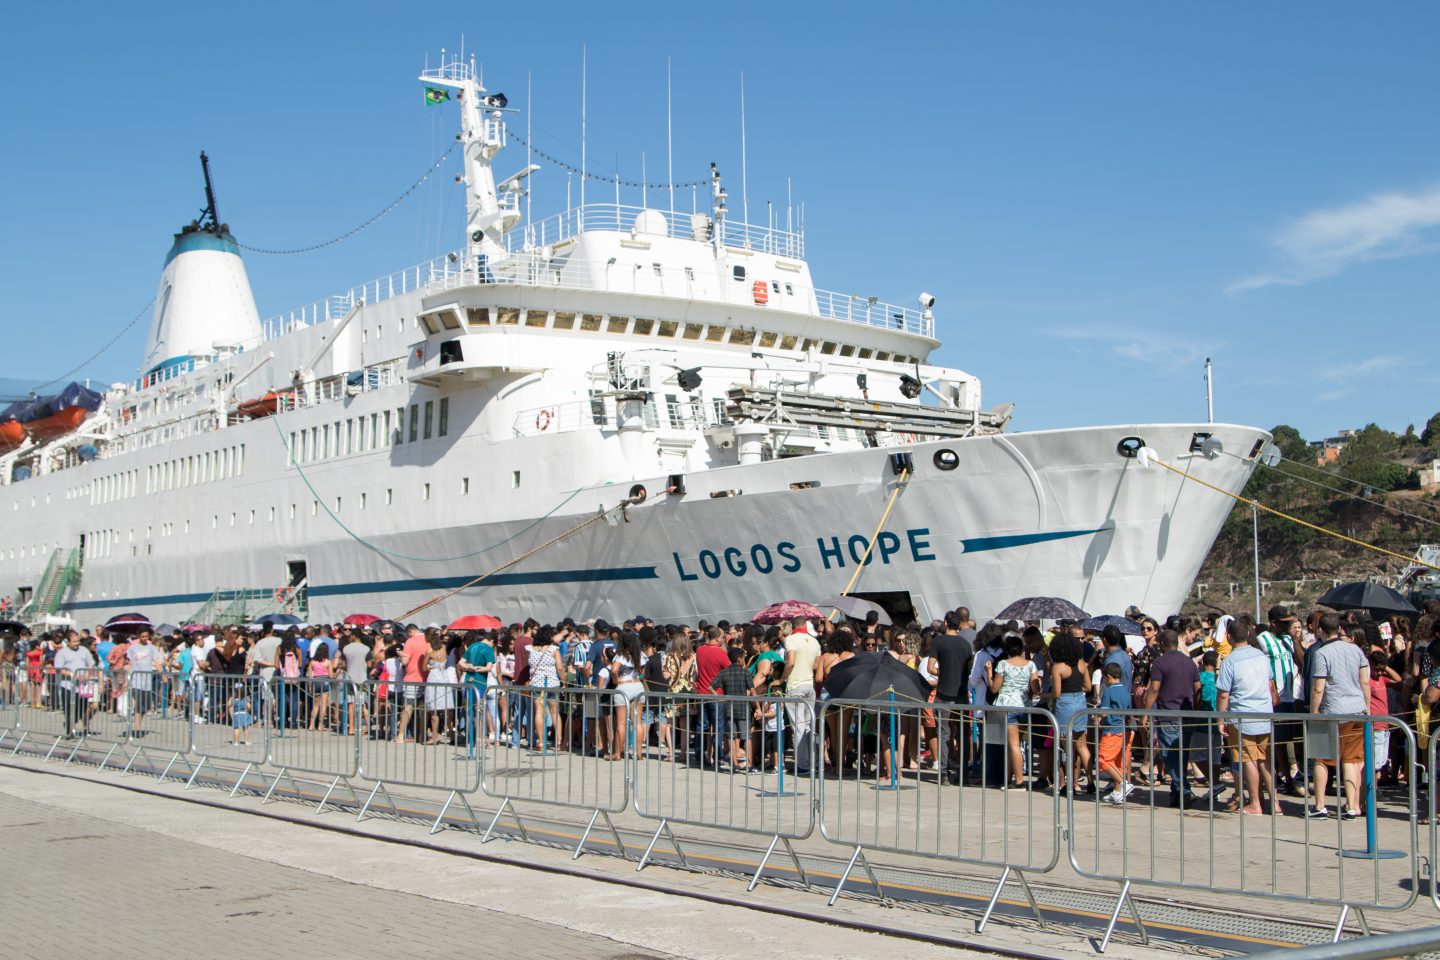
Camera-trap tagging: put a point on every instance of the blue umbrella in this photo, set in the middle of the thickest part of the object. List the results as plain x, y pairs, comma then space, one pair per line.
1125, 624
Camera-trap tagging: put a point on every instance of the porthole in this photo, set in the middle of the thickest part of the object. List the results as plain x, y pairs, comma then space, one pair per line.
1130, 447
946, 459
638, 493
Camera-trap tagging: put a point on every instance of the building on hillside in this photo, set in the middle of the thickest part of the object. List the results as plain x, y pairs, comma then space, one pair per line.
1327, 451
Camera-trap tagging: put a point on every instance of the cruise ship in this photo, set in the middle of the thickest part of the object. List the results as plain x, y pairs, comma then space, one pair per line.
611, 411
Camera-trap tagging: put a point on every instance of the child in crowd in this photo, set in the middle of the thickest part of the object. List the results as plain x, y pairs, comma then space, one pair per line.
241, 718
1114, 738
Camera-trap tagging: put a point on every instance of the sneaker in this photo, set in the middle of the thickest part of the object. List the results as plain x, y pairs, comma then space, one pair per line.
1318, 813
1125, 792
1351, 815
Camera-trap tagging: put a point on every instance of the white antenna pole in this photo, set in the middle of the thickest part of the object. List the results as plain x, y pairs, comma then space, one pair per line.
669, 143
744, 181
789, 220
583, 80
644, 182
529, 112
1209, 393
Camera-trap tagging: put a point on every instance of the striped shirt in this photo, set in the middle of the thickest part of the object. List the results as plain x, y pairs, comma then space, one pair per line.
1281, 654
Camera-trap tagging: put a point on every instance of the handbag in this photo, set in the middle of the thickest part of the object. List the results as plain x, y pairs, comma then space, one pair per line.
1422, 724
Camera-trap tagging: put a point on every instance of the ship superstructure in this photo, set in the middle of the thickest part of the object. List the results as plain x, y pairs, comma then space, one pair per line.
740, 430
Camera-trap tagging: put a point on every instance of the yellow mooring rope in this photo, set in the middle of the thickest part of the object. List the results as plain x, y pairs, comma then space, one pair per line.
1285, 516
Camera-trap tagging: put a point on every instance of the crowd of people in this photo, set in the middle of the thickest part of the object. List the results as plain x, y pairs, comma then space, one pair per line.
744, 696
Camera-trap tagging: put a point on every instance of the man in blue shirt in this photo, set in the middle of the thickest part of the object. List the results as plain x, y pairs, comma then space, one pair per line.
1245, 685
1115, 652
476, 665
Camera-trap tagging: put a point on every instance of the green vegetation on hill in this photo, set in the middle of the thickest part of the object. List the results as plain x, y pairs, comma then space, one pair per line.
1370, 492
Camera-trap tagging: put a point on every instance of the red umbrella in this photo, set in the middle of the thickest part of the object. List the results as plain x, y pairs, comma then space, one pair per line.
481, 621
787, 610
197, 628
361, 619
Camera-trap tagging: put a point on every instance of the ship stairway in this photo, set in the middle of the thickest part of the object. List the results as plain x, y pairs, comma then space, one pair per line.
61, 573
236, 607
881, 416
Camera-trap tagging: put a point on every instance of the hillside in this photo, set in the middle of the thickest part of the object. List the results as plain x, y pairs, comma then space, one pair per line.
1371, 491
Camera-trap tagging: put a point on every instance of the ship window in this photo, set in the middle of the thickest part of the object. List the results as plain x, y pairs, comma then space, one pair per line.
882, 355
658, 271
232, 519
563, 321
617, 324
827, 348
536, 318
477, 317
865, 353
379, 331
643, 327
515, 480
292, 511
400, 325
424, 491
668, 328
775, 286
443, 427
337, 504
389, 496
272, 515
714, 334
363, 498
590, 322
386, 441
252, 518
768, 339
507, 316
324, 443
414, 421
787, 343
789, 291
693, 330
375, 429
690, 274
809, 344
464, 486
743, 338
214, 521
429, 418
847, 350
314, 508
738, 271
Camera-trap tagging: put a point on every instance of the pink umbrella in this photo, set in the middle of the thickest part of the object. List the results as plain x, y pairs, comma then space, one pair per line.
476, 622
360, 619
787, 610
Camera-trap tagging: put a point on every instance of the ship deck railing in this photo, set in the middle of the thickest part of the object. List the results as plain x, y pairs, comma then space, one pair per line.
530, 268
641, 222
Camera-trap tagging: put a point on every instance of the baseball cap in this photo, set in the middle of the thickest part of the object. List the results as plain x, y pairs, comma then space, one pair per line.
1279, 613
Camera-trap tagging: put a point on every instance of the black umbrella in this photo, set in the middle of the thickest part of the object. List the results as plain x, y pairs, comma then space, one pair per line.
1042, 608
1367, 595
874, 676
13, 626
128, 623
856, 608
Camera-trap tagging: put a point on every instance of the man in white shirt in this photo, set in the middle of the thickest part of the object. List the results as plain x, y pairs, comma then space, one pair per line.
1244, 685
801, 652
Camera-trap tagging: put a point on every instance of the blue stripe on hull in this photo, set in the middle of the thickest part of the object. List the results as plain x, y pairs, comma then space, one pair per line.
977, 544
397, 586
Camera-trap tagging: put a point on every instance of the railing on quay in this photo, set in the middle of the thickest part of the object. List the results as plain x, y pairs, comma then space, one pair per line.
707, 774
946, 812
1386, 946
1342, 864
975, 804
566, 748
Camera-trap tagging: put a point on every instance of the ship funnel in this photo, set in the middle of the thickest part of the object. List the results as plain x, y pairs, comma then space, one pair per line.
204, 295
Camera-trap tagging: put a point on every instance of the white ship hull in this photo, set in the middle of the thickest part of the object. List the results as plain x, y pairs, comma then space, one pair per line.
1054, 513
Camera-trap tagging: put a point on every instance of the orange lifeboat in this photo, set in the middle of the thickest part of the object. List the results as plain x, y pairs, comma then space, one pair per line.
46, 418
57, 424
262, 406
12, 434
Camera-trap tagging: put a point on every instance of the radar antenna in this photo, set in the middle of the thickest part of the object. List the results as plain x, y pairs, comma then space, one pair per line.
209, 217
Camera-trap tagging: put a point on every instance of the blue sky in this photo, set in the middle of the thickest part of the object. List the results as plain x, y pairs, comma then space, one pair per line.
1100, 195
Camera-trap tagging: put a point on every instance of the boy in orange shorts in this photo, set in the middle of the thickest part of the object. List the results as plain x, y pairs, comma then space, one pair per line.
1114, 735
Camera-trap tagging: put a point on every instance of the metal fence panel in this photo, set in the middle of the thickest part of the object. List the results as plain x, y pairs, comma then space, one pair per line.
9, 703
420, 735
321, 734
154, 709
232, 718
554, 746
47, 714
958, 806
1173, 837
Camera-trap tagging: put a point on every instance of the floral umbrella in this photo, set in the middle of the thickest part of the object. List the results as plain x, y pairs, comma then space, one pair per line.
1042, 608
787, 610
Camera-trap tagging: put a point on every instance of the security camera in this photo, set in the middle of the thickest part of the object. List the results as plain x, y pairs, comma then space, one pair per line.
927, 301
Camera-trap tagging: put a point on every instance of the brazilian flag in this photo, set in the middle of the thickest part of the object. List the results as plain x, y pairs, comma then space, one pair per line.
436, 95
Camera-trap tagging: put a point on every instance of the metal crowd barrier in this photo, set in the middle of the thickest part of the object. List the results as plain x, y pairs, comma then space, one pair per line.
1432, 807
945, 810
1409, 944
324, 719
556, 753
9, 712
406, 723
720, 762
1173, 837
232, 717
155, 715
47, 710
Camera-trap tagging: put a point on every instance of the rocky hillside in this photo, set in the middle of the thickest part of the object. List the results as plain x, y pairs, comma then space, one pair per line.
1370, 491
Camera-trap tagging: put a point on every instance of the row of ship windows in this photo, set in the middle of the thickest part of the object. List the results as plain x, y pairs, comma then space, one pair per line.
385, 428
670, 329
222, 464
102, 543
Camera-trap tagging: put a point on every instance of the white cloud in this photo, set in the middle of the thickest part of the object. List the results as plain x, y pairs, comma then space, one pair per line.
1324, 242
1143, 346
1346, 378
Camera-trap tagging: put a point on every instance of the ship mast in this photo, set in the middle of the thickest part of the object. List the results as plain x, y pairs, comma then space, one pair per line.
482, 136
